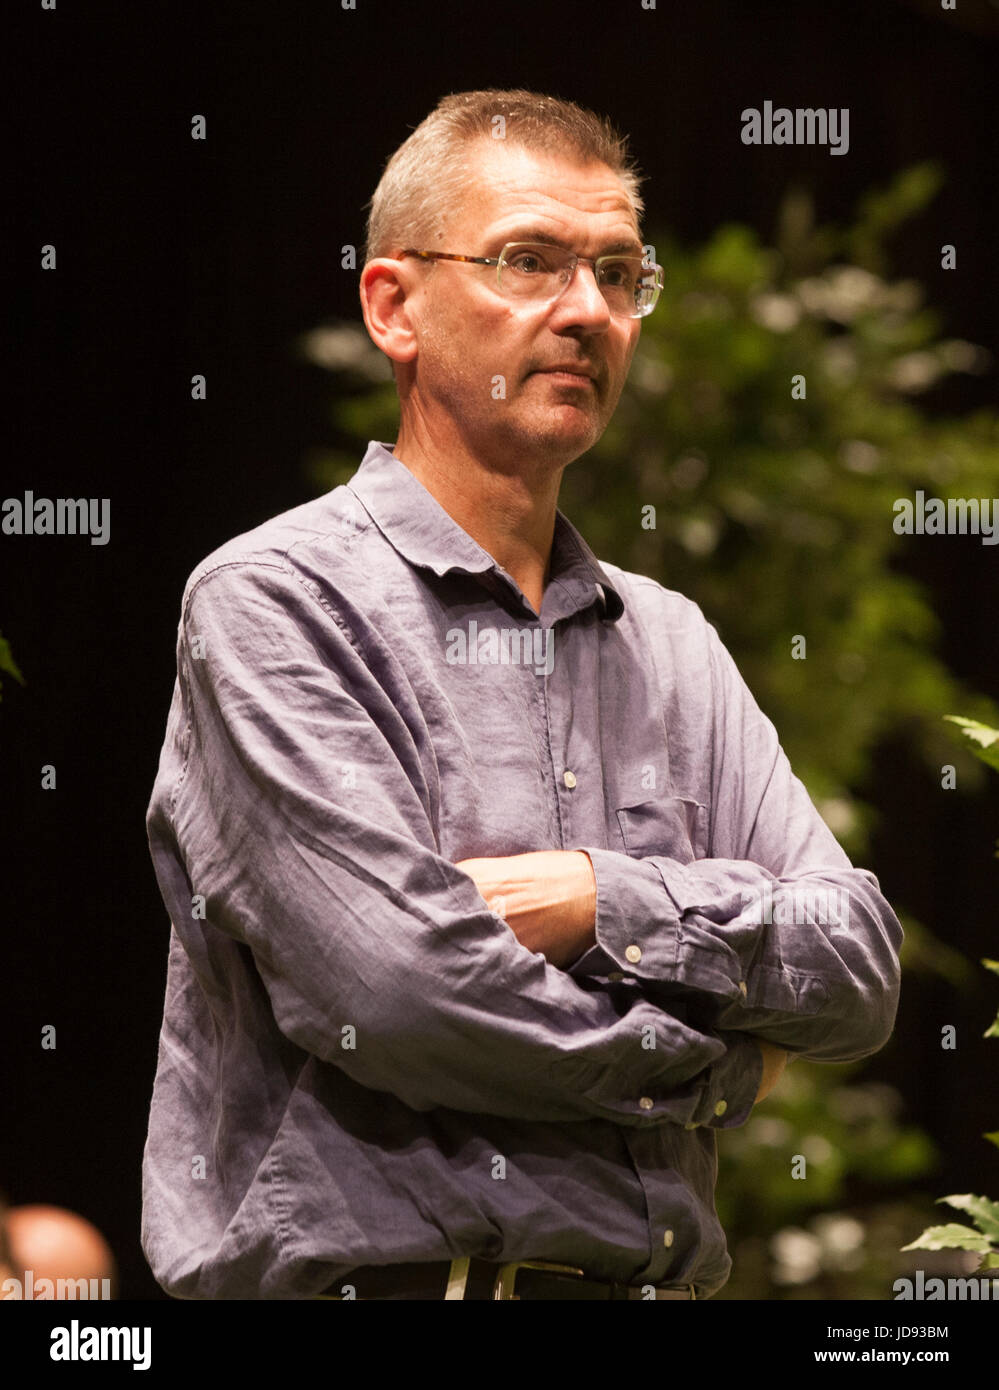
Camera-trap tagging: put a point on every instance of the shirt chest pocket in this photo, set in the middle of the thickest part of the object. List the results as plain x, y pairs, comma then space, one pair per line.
673, 826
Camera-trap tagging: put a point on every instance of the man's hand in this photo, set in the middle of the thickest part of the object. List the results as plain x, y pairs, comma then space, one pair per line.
774, 1062
548, 898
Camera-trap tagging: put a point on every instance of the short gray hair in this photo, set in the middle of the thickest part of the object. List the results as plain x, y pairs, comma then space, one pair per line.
423, 181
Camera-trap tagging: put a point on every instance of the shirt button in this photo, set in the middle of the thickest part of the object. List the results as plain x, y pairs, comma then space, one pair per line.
721, 1107
646, 1103
742, 988
634, 954
569, 778
667, 1238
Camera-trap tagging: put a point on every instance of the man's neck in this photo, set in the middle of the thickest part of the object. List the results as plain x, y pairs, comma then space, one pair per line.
510, 515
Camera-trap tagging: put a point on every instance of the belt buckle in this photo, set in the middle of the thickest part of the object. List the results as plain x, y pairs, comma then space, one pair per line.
506, 1280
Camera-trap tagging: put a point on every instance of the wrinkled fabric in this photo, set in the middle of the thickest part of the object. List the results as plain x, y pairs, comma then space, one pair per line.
359, 1064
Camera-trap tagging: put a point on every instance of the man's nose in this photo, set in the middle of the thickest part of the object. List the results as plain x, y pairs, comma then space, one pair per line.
583, 300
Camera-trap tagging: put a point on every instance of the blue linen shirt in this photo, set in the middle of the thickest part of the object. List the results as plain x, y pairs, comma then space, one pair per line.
359, 1063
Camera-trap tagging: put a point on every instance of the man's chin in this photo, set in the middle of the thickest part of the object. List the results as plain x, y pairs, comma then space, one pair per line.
572, 429
558, 434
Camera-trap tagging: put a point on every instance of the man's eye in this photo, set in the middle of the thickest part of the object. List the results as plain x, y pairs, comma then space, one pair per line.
529, 263
618, 273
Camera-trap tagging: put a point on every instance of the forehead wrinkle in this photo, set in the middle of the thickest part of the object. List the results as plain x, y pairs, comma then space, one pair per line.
566, 227
588, 202
614, 241
544, 236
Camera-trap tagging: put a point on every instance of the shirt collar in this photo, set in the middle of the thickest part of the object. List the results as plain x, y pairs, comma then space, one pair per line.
417, 526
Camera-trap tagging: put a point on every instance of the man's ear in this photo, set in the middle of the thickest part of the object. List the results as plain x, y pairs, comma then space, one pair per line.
386, 287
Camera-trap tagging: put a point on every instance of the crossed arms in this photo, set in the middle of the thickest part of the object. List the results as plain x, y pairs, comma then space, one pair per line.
549, 900
353, 916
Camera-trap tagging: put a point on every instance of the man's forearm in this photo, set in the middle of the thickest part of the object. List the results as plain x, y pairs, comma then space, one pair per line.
548, 899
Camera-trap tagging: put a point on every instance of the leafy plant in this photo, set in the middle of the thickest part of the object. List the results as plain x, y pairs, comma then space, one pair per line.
7, 663
983, 1237
979, 739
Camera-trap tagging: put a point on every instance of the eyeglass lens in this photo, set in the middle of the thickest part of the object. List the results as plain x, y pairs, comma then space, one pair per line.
540, 271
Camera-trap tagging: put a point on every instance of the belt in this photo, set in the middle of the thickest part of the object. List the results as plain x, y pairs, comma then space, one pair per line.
479, 1279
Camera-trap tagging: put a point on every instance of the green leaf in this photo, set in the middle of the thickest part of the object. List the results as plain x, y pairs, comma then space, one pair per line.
992, 1031
982, 1211
978, 739
992, 965
951, 1237
992, 1137
7, 662
991, 1261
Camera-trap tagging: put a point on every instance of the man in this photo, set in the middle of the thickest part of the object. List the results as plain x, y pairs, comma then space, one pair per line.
463, 835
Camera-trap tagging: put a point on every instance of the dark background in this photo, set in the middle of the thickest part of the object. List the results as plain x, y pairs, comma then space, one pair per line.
177, 256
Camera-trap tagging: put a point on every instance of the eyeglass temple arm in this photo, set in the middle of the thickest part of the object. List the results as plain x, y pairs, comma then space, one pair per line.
450, 256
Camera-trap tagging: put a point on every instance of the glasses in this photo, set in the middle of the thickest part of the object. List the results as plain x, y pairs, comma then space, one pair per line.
631, 285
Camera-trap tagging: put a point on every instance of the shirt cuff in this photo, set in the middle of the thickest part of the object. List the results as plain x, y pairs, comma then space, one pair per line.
639, 935
720, 1096
733, 1085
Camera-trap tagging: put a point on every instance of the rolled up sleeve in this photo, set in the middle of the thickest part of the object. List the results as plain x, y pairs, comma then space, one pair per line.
787, 939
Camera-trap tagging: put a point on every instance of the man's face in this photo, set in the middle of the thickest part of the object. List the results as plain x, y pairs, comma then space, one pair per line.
469, 334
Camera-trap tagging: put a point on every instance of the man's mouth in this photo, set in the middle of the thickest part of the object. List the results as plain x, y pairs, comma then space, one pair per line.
568, 375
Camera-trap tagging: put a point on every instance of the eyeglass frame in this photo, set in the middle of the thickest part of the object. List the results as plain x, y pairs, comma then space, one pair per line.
574, 262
